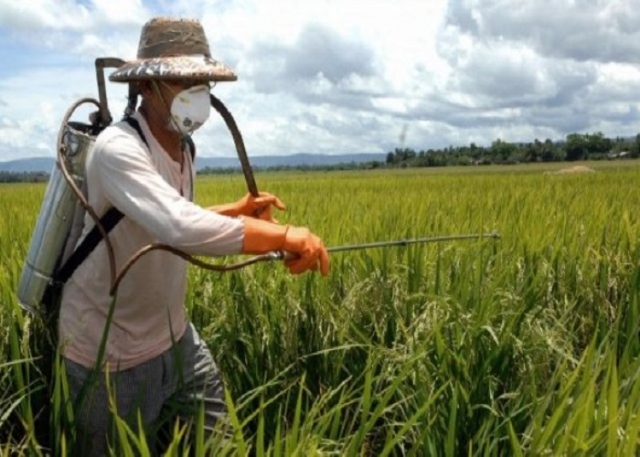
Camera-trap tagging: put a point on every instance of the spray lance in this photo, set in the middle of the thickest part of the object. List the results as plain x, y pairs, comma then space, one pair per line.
278, 255
61, 217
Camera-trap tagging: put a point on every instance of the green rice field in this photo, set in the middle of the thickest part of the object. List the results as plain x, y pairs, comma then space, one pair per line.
526, 345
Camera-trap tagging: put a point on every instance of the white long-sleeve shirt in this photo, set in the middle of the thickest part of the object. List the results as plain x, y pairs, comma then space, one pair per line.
154, 195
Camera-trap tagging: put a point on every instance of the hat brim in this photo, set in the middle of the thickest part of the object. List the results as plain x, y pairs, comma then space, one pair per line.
171, 68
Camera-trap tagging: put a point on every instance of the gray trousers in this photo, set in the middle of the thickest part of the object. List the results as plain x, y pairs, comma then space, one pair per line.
175, 385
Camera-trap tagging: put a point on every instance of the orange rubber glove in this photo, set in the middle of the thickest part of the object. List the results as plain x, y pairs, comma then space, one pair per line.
250, 206
305, 251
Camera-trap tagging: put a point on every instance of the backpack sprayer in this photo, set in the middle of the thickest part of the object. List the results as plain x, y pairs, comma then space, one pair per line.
61, 218
62, 214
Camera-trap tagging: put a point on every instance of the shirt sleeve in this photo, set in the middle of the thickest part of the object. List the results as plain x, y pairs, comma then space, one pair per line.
132, 184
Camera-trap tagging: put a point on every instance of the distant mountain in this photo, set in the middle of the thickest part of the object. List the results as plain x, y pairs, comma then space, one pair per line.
294, 160
35, 165
45, 164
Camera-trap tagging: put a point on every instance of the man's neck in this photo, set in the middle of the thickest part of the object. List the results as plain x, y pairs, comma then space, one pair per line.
170, 141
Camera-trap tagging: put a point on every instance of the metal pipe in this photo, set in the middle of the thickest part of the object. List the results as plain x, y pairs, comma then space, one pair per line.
61, 163
237, 139
101, 63
277, 255
435, 239
280, 255
253, 189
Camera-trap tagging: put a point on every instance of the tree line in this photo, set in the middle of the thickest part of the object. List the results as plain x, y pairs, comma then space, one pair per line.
590, 146
594, 146
23, 176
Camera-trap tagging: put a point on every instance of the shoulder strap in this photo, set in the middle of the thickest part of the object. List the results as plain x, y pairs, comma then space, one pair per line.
108, 221
192, 147
134, 124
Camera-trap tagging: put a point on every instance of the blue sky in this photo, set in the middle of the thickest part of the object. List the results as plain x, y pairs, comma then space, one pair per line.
344, 76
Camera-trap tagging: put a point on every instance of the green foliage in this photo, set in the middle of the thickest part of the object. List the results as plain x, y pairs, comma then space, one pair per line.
575, 147
523, 346
14, 177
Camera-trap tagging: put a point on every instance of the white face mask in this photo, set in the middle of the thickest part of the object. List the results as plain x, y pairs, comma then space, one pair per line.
190, 109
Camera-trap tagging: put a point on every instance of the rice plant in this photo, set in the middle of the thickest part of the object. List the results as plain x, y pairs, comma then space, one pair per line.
526, 345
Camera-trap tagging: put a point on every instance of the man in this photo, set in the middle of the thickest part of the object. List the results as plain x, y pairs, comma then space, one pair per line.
152, 357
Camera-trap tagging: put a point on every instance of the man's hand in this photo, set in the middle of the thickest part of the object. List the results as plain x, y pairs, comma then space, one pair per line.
250, 206
304, 251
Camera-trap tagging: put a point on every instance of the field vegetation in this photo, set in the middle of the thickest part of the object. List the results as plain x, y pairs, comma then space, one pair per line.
524, 345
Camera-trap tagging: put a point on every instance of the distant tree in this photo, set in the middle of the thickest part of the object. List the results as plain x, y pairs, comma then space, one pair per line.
575, 147
550, 152
501, 151
635, 148
531, 153
391, 158
598, 144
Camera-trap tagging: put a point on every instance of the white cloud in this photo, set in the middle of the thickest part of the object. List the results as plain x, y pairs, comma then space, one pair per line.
599, 30
38, 16
344, 76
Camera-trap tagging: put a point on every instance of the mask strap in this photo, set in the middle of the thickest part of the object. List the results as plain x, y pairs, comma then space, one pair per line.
183, 140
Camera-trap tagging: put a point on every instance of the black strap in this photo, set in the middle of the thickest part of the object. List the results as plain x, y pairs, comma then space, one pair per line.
108, 221
134, 124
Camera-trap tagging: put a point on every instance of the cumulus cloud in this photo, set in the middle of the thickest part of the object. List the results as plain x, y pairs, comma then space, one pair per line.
25, 18
525, 66
320, 51
356, 76
74, 27
320, 66
598, 30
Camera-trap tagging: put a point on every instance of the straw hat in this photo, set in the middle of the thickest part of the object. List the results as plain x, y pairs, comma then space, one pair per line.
173, 49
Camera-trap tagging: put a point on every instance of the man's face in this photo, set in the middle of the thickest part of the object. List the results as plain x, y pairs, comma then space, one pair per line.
160, 94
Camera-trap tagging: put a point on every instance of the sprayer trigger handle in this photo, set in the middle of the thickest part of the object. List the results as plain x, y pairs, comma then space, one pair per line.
283, 255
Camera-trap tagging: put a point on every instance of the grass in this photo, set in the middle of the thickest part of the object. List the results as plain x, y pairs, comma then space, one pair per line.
523, 346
